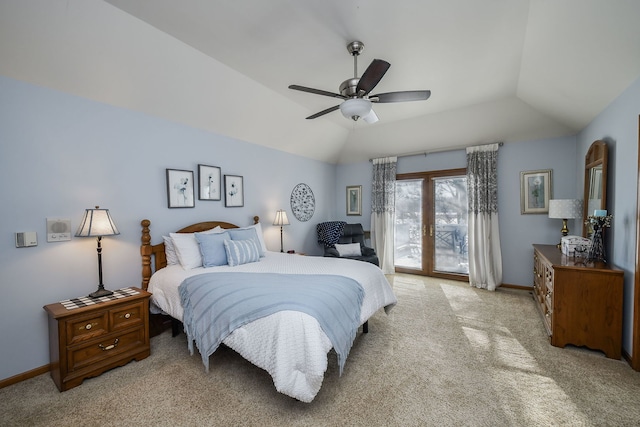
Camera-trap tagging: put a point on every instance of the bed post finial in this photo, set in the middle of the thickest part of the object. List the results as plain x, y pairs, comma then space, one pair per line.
256, 219
145, 251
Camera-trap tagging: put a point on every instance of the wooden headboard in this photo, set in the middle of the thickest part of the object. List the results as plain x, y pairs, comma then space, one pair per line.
149, 251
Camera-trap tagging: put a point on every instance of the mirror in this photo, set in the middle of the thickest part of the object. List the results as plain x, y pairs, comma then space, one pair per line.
595, 182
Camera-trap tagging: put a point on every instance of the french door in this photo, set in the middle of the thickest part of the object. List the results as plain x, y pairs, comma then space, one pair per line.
431, 224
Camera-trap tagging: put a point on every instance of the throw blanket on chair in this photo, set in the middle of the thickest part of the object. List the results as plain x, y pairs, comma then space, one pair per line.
215, 304
329, 232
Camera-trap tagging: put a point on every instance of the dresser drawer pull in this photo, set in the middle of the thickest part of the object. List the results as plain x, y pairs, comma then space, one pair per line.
109, 347
88, 326
128, 315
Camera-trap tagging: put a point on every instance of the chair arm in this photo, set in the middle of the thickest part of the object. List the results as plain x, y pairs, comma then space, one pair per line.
366, 251
331, 252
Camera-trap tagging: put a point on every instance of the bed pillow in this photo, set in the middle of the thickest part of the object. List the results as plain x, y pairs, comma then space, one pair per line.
349, 249
212, 248
241, 252
170, 251
188, 249
248, 233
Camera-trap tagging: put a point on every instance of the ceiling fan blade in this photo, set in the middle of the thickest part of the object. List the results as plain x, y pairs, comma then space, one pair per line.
323, 112
405, 96
372, 76
317, 91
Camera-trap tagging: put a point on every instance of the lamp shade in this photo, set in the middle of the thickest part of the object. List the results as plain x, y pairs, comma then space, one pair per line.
95, 223
565, 208
281, 218
354, 108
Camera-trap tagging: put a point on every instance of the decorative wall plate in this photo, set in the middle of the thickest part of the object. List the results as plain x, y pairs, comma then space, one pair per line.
303, 203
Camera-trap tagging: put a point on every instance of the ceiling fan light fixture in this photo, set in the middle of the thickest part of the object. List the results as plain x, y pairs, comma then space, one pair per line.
354, 108
372, 117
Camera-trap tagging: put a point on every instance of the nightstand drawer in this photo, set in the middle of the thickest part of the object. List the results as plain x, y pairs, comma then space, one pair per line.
125, 317
86, 327
108, 347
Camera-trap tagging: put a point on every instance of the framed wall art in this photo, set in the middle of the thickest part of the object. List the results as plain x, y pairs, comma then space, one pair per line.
209, 183
354, 200
535, 191
233, 191
180, 188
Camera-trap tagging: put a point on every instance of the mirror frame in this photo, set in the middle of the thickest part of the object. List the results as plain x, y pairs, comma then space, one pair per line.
596, 156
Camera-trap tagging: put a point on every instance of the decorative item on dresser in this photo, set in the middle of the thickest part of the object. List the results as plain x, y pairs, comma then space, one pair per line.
580, 303
88, 336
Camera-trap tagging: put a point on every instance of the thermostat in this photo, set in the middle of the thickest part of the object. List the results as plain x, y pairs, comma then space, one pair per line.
26, 239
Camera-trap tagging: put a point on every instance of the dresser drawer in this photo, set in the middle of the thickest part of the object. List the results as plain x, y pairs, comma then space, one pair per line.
108, 347
86, 327
127, 316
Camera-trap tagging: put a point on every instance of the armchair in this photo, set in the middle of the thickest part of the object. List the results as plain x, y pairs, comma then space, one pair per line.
338, 239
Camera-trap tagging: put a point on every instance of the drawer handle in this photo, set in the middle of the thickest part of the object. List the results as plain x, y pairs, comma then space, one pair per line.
128, 315
88, 326
109, 347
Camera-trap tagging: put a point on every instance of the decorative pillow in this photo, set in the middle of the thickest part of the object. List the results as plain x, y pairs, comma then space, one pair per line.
349, 249
188, 249
170, 251
241, 252
249, 233
212, 248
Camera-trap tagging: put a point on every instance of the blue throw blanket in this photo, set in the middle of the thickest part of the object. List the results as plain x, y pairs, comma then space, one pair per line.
215, 304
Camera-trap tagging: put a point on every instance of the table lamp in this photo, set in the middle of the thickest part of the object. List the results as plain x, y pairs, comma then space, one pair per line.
97, 223
281, 219
565, 209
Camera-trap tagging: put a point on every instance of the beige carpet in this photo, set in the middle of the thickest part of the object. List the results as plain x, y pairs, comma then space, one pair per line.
447, 355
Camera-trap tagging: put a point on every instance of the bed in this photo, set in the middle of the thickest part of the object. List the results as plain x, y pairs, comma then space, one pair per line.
290, 344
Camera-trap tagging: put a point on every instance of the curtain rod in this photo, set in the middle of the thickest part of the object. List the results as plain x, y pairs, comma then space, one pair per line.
439, 150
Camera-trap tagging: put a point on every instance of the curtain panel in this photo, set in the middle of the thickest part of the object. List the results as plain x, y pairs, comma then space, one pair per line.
383, 211
485, 257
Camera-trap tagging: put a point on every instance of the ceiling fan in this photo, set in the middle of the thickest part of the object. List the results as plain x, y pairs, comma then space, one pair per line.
355, 91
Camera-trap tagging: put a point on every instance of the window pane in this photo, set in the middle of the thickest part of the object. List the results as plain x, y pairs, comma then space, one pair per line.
408, 224
451, 255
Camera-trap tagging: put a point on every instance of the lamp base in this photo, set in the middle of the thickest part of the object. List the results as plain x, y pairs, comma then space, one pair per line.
101, 292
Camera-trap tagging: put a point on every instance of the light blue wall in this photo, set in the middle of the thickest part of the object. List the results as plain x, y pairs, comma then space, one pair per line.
61, 154
618, 125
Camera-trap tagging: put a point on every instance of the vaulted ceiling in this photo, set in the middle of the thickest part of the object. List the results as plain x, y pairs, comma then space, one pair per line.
498, 70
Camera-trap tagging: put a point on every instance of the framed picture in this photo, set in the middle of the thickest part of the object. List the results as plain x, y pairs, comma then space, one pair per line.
535, 191
209, 183
180, 188
233, 191
354, 200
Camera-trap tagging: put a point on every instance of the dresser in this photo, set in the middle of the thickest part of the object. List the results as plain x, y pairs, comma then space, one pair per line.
580, 303
87, 340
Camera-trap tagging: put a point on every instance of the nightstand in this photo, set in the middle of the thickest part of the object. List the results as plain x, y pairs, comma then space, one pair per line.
90, 336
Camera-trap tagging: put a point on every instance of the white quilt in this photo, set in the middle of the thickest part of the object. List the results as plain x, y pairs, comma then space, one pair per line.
290, 345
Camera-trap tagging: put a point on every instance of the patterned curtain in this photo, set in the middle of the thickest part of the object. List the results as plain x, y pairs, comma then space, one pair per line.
485, 257
383, 206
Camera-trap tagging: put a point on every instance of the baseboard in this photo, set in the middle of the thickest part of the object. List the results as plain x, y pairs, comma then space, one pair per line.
523, 288
24, 376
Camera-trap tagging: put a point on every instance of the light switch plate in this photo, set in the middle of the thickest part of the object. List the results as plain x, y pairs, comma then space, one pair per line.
58, 229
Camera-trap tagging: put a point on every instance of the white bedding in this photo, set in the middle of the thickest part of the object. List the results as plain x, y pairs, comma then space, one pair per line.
290, 345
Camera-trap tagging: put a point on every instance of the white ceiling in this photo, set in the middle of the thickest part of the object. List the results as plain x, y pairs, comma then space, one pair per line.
498, 70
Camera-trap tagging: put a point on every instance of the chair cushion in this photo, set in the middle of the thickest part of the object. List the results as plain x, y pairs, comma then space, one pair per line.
349, 249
